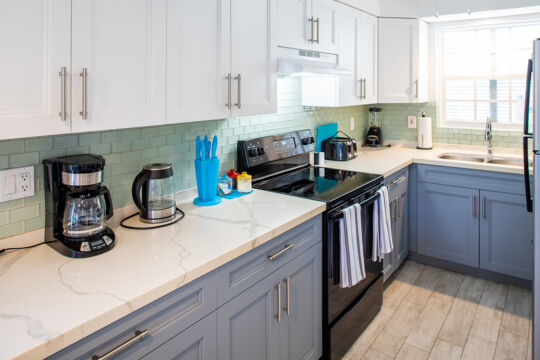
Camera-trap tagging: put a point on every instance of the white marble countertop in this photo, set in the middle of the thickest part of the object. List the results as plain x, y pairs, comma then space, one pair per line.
49, 301
387, 160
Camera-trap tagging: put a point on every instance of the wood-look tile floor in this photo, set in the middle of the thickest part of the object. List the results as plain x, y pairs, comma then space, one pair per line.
429, 313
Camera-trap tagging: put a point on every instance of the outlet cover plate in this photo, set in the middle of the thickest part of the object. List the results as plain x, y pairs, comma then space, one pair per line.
411, 122
16, 183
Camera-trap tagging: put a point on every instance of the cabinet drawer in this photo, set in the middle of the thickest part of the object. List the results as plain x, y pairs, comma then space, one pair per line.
250, 268
163, 318
397, 179
474, 179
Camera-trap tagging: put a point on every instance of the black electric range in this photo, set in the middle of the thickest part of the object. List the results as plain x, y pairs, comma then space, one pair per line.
280, 163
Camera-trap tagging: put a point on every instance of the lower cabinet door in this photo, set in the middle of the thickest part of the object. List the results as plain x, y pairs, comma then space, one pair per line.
301, 330
506, 233
198, 342
448, 223
248, 325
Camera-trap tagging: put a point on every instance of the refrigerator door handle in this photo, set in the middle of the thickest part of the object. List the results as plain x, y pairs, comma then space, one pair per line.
526, 136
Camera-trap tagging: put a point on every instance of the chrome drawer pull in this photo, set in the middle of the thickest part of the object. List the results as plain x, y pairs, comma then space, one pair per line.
239, 89
63, 76
317, 21
286, 248
310, 20
139, 335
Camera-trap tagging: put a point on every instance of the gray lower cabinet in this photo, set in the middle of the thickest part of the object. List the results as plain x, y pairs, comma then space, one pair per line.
301, 333
506, 233
278, 318
475, 218
248, 326
399, 203
198, 342
448, 219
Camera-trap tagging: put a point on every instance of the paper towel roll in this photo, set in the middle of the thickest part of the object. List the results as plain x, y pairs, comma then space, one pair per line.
424, 133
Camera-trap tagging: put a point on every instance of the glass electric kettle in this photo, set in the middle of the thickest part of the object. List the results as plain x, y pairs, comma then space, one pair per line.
85, 213
153, 192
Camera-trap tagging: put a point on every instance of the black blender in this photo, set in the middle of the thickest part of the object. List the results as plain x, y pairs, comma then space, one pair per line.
374, 136
77, 206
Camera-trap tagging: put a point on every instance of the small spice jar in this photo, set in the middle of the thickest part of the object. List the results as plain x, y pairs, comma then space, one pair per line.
233, 174
225, 185
244, 182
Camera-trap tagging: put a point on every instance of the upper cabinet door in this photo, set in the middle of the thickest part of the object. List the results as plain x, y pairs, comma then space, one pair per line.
34, 47
253, 57
368, 49
121, 44
402, 60
198, 60
326, 17
294, 28
350, 86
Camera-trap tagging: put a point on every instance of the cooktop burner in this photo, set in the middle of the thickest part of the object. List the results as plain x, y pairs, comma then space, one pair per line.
321, 184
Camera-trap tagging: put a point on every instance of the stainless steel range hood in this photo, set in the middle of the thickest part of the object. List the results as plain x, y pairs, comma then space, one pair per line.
298, 62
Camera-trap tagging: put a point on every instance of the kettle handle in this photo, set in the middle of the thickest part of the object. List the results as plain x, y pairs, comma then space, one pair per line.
138, 183
108, 202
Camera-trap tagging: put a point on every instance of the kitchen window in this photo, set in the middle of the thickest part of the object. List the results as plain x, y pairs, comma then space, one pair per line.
481, 72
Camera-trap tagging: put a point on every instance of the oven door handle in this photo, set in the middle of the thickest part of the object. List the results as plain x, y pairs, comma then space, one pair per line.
371, 199
335, 215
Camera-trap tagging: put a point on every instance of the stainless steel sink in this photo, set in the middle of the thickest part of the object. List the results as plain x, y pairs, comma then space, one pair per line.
461, 157
505, 161
509, 161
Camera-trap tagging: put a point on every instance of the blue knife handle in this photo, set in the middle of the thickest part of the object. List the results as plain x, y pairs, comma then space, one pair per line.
214, 146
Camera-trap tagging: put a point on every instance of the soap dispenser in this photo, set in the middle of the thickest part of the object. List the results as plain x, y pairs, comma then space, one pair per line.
425, 141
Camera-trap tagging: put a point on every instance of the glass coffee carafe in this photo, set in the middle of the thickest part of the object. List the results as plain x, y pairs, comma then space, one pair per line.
85, 213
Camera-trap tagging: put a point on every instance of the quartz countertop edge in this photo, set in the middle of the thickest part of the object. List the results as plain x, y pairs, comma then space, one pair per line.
386, 161
35, 321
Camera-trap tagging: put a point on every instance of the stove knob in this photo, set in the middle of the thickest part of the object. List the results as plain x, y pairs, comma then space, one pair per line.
260, 150
252, 152
308, 140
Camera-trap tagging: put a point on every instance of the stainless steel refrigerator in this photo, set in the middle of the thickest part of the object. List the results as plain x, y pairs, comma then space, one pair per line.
532, 92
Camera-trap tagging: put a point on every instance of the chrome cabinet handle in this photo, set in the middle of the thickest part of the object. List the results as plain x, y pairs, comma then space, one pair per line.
84, 112
416, 89
287, 307
474, 206
365, 88
278, 315
286, 248
310, 20
318, 22
484, 216
229, 87
139, 335
239, 94
63, 77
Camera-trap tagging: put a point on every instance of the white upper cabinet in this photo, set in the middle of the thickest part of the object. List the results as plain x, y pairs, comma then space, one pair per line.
309, 24
368, 55
221, 59
402, 60
121, 46
34, 47
253, 57
198, 60
358, 55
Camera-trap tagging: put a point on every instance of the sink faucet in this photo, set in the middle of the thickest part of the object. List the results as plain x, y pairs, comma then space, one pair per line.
488, 134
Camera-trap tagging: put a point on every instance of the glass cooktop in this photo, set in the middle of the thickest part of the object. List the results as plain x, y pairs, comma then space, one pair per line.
322, 184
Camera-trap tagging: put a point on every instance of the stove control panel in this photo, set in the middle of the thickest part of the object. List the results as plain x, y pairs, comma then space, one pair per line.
266, 149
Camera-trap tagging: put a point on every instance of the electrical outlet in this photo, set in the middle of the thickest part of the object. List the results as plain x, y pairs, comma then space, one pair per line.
16, 183
351, 123
411, 122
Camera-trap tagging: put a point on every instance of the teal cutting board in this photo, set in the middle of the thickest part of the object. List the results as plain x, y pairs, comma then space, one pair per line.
324, 132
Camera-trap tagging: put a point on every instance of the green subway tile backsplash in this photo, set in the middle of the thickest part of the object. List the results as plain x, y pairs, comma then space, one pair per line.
126, 151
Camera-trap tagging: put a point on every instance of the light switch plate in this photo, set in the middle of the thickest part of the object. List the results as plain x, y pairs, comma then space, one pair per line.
351, 123
16, 183
411, 122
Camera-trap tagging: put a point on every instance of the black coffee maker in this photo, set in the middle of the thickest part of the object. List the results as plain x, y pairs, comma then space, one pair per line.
75, 211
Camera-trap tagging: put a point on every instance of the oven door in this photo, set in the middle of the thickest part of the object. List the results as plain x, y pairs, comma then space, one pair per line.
339, 299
